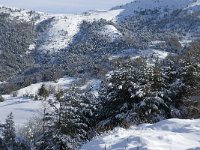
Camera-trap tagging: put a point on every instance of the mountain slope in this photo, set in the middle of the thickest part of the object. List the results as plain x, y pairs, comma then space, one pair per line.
78, 44
63, 28
163, 6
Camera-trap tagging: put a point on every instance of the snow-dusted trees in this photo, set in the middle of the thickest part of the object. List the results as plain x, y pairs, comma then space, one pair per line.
68, 121
30, 132
136, 92
9, 141
9, 131
122, 89
15, 38
192, 78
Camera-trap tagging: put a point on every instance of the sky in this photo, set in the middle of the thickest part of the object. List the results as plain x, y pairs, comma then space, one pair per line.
63, 6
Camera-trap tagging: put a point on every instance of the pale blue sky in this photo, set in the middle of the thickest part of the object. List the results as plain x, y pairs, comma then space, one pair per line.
63, 6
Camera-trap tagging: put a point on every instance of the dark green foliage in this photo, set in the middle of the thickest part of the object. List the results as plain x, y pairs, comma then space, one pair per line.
1, 99
70, 123
43, 92
137, 93
2, 145
190, 77
9, 130
9, 140
15, 38
134, 93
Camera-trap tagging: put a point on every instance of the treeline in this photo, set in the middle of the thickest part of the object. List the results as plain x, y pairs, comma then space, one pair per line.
15, 38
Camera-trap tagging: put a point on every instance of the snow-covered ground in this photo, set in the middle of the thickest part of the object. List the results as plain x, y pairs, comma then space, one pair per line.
111, 32
24, 108
148, 53
172, 134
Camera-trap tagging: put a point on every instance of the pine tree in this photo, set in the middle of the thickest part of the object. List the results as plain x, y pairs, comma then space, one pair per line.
122, 92
156, 77
2, 145
43, 92
69, 123
9, 132
137, 93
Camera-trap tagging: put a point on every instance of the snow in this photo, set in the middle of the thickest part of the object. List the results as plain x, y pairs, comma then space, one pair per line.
111, 32
174, 134
22, 14
2, 82
65, 26
148, 53
169, 134
60, 33
62, 83
194, 7
93, 86
163, 5
155, 53
24, 108
31, 48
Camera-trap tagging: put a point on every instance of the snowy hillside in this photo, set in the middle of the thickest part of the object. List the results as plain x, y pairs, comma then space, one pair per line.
22, 106
22, 14
64, 27
172, 134
164, 6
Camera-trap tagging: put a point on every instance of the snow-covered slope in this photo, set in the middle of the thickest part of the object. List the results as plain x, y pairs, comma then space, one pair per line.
64, 27
23, 107
22, 14
172, 134
165, 6
111, 32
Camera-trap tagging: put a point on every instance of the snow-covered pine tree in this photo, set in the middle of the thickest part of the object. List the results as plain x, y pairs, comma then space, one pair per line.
69, 121
77, 116
123, 89
138, 93
9, 134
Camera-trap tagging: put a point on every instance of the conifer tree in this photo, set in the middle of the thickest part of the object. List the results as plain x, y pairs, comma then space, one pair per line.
43, 92
9, 132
